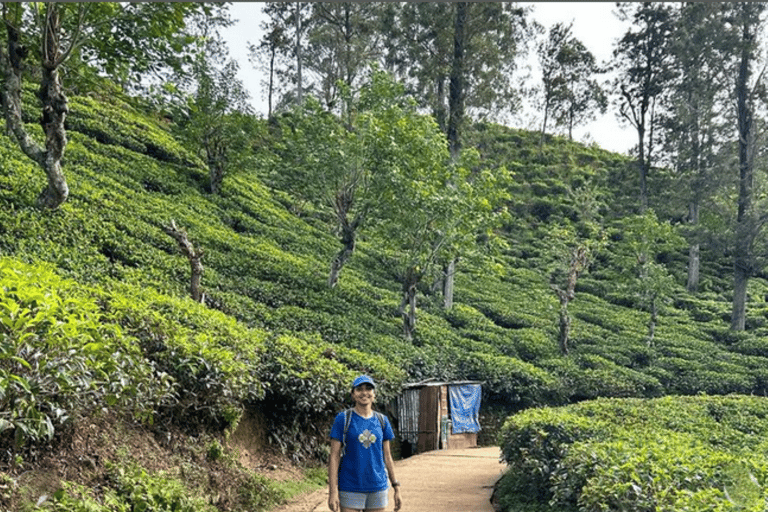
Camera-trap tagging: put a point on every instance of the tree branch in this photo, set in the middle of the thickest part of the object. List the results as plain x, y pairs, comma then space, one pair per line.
195, 257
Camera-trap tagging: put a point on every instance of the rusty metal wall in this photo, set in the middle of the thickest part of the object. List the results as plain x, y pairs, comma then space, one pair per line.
408, 415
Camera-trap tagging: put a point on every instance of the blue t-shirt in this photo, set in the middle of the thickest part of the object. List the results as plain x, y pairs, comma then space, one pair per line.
362, 468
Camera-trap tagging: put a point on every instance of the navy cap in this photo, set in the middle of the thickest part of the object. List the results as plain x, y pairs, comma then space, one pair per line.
363, 379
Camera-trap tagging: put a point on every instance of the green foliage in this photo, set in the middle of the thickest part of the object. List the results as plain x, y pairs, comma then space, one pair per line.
571, 96
213, 361
145, 492
696, 454
643, 241
58, 359
114, 124
99, 277
130, 489
259, 493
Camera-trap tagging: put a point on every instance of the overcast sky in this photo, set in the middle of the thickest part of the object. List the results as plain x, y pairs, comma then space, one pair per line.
594, 24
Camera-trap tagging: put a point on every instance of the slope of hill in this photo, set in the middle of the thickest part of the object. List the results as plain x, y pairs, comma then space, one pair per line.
97, 292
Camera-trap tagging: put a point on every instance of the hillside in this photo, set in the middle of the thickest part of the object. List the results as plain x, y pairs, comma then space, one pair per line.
97, 315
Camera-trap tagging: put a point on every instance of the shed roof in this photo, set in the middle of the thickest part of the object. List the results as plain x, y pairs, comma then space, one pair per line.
435, 382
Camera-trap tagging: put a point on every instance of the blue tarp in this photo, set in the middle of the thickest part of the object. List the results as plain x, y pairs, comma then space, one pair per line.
465, 407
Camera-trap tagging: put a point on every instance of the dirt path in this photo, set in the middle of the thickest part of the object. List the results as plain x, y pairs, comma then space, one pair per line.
438, 481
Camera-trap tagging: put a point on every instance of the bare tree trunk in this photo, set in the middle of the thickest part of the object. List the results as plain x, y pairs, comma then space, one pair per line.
195, 259
271, 87
216, 155
348, 237
299, 85
694, 256
409, 314
742, 260
449, 272
694, 250
408, 304
642, 165
456, 92
565, 324
54, 107
344, 201
440, 116
544, 126
652, 321
739, 306
55, 111
694, 267
578, 263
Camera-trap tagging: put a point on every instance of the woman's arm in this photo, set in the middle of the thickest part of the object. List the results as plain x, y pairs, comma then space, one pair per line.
333, 475
391, 472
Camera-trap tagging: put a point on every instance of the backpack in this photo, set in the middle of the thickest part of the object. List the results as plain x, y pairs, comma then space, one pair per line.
348, 420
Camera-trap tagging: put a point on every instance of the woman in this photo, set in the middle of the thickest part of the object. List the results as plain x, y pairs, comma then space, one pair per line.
361, 461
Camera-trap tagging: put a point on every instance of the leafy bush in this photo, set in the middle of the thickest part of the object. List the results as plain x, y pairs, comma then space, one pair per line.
307, 384
129, 489
58, 359
215, 362
671, 454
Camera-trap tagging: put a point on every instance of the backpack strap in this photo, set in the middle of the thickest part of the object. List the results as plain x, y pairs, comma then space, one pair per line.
348, 420
381, 420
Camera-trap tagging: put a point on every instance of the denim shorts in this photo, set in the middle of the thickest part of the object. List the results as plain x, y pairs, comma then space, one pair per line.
363, 500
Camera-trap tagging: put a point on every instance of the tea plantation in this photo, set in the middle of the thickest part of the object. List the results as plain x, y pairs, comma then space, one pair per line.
98, 328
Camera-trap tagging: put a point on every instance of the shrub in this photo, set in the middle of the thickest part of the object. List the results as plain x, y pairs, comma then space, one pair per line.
215, 362
696, 454
59, 359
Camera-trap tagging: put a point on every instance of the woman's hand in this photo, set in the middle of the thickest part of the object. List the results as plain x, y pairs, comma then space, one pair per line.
333, 476
333, 502
398, 499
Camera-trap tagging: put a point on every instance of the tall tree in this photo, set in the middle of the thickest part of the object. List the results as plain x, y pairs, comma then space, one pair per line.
215, 120
270, 54
570, 92
641, 242
334, 43
456, 89
746, 19
572, 248
441, 207
212, 108
643, 59
695, 132
299, 56
491, 36
357, 172
420, 51
123, 40
345, 39
285, 45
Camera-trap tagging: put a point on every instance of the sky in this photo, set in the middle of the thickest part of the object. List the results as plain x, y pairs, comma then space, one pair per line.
594, 24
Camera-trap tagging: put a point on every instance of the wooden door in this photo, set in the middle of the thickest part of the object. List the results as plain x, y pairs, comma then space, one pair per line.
429, 434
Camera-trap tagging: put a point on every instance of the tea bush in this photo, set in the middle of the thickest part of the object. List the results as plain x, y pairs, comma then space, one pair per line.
59, 359
672, 453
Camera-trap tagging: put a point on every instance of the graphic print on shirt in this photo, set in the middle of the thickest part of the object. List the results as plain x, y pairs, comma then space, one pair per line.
367, 438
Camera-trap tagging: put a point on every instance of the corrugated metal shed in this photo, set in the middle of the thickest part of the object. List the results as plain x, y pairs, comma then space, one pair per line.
424, 417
